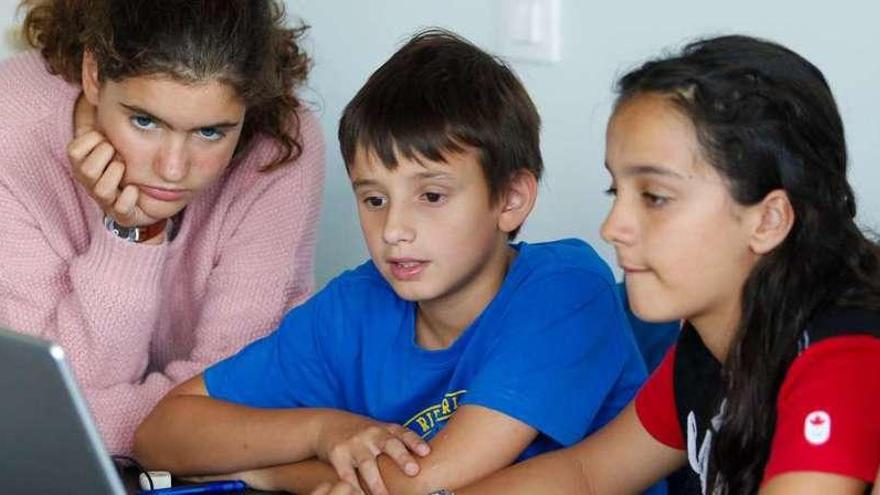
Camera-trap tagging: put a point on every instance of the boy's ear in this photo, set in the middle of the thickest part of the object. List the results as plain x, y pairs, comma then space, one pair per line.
774, 218
518, 201
91, 84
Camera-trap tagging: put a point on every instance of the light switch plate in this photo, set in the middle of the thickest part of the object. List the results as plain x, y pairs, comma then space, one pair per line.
530, 30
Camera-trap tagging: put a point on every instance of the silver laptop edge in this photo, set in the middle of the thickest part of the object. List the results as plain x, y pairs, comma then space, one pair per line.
40, 349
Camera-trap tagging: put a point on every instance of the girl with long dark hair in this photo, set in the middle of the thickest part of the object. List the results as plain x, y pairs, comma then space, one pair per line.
732, 212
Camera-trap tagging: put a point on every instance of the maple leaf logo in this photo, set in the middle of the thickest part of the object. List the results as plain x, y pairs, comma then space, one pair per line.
817, 427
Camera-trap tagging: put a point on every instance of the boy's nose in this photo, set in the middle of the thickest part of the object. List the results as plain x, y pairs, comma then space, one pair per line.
398, 227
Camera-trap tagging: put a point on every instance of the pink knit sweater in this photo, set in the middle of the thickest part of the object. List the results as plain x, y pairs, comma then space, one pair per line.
135, 320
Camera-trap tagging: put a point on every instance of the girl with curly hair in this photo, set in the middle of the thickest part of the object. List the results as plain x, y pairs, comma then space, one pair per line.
160, 184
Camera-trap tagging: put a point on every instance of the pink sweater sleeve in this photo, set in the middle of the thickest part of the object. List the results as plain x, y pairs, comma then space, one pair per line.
67, 299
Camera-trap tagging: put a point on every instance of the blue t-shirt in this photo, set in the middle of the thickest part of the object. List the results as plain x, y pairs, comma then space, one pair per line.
553, 349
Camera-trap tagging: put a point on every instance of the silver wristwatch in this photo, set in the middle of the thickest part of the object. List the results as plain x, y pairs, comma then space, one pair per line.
442, 491
134, 234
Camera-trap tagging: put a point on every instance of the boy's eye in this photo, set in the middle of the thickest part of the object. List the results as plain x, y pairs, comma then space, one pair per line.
210, 133
374, 202
433, 197
143, 122
611, 191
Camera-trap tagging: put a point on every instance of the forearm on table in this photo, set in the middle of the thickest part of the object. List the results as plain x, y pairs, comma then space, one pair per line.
190, 434
557, 473
104, 347
300, 477
304, 477
457, 458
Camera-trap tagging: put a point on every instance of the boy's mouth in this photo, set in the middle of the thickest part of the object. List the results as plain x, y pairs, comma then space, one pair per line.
406, 268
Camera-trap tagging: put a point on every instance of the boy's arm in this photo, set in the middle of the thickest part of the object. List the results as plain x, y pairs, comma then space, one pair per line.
474, 443
620, 458
191, 433
301, 477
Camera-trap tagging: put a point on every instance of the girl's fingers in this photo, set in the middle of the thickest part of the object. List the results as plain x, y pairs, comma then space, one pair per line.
125, 207
106, 189
92, 167
80, 147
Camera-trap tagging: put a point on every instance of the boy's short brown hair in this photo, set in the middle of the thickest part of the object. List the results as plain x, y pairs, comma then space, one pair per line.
438, 94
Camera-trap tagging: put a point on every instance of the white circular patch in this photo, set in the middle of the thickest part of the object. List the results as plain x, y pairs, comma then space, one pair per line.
817, 427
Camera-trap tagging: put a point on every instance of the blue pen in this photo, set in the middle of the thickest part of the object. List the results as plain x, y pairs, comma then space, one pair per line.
202, 488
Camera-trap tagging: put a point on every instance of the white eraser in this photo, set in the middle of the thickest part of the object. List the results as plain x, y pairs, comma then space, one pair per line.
161, 479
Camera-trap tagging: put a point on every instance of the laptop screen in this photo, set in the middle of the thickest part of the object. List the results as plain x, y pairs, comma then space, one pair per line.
48, 442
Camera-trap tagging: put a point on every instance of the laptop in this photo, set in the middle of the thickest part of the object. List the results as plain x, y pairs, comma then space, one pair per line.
48, 441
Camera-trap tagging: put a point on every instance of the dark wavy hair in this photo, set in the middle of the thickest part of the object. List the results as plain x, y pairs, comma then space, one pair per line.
439, 93
243, 43
766, 120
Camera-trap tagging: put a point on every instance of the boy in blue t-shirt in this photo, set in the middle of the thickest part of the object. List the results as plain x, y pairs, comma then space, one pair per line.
452, 352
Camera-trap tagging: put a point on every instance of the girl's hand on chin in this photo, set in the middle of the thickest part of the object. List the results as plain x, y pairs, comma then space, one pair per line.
97, 168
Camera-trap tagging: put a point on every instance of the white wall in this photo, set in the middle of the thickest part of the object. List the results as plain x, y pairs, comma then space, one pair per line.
350, 38
7, 22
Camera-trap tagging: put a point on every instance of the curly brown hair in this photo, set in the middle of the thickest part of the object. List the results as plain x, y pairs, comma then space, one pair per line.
243, 43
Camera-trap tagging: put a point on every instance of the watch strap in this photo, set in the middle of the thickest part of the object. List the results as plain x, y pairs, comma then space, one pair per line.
135, 234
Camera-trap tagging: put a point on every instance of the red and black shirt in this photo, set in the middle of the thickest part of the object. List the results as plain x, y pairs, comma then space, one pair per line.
828, 407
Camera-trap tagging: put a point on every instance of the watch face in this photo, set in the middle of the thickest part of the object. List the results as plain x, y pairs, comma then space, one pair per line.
127, 233
137, 234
